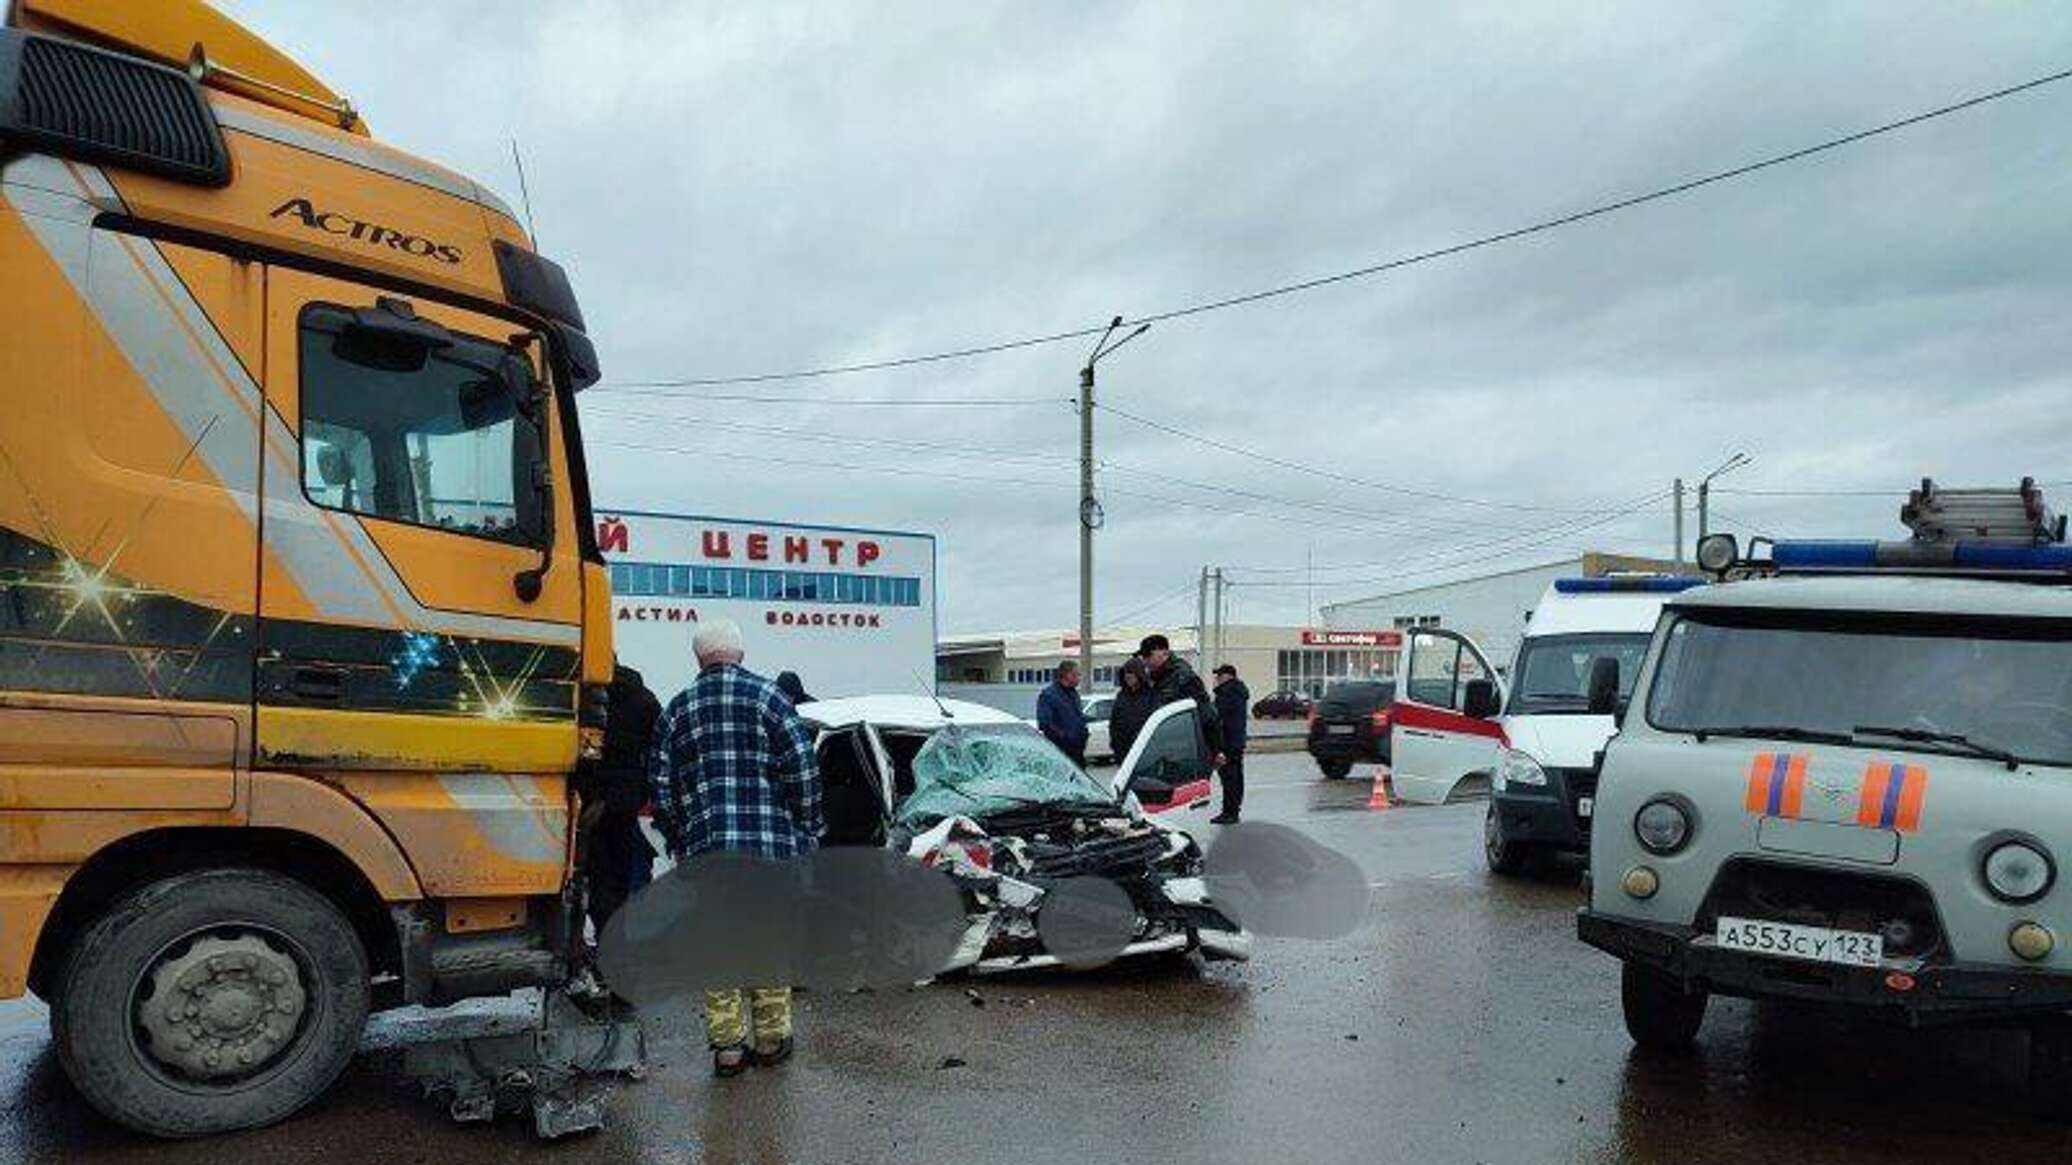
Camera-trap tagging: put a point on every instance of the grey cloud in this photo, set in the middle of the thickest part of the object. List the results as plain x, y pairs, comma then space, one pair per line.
741, 188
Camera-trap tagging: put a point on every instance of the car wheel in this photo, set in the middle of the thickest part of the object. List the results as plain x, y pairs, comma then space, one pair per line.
1503, 855
211, 1001
1661, 1015
1335, 769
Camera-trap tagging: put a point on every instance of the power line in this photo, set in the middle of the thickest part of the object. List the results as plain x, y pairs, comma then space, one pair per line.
1333, 475
1116, 622
1435, 525
983, 479
1554, 536
1541, 226
637, 388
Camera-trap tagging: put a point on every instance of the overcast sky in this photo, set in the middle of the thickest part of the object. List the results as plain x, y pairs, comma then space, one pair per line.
757, 187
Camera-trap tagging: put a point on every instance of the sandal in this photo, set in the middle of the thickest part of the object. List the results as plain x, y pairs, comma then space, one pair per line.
731, 1060
774, 1056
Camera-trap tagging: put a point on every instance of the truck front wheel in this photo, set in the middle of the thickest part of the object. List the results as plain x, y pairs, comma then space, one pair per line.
211, 1001
1660, 1015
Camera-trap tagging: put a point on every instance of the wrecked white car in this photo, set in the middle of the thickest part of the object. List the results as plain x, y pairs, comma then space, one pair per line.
983, 797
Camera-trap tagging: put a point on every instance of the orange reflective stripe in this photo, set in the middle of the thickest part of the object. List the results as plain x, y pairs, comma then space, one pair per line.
1870, 804
1758, 799
1910, 797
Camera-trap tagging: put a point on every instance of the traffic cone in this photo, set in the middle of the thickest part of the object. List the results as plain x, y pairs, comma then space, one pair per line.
1381, 798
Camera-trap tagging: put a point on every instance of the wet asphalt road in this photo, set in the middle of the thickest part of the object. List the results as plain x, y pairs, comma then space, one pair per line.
1462, 1023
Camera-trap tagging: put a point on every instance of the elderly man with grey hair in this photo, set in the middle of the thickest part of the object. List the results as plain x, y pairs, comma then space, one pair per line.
733, 770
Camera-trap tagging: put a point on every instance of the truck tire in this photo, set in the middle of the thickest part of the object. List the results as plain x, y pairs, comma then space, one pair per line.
1660, 1015
211, 1001
1503, 855
2050, 1069
1334, 770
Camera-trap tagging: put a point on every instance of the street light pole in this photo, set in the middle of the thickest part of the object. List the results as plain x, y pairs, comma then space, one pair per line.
1089, 504
1705, 488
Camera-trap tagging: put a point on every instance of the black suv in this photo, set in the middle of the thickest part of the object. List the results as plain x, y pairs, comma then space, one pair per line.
1350, 725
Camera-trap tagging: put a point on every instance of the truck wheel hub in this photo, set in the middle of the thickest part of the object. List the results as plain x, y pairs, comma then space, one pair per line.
223, 1007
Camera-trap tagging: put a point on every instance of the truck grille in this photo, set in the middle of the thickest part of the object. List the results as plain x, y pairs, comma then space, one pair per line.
1900, 909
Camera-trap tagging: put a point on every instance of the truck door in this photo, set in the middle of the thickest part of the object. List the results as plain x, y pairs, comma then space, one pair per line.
408, 484
1438, 733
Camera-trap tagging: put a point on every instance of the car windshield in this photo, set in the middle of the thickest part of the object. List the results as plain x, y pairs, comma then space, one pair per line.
1891, 682
1553, 671
1355, 697
978, 770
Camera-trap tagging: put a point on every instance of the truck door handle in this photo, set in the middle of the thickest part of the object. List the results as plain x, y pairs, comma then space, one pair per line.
1421, 732
326, 684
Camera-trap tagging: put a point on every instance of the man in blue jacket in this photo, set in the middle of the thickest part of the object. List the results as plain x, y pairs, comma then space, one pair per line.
1233, 704
1061, 717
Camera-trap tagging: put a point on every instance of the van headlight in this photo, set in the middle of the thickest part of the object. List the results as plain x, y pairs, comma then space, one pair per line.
1519, 767
1662, 826
2018, 871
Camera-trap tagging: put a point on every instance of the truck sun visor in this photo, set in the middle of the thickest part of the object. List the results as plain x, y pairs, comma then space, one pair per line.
84, 103
537, 284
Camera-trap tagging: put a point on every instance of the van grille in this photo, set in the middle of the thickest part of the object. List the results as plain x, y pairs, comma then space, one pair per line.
1900, 909
80, 102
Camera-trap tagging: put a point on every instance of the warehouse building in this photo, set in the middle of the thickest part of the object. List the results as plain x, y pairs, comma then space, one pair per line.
1007, 669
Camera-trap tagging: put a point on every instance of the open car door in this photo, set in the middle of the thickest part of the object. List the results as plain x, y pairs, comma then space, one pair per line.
1169, 765
1443, 724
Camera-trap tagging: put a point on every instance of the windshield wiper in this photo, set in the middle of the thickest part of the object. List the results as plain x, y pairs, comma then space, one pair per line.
1776, 732
1956, 739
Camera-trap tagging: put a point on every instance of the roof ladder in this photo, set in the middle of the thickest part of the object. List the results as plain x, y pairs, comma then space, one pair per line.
2015, 516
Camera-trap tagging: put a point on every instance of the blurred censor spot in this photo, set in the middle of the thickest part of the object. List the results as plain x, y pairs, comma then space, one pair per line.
837, 919
1086, 922
1279, 882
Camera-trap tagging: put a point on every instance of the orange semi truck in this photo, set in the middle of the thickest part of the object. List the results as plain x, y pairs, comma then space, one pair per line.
303, 628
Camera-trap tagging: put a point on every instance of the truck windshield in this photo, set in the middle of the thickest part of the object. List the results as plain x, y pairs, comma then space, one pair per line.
1553, 671
1889, 682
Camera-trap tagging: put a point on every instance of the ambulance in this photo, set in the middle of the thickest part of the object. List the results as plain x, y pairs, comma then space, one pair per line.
303, 626
1542, 787
1845, 777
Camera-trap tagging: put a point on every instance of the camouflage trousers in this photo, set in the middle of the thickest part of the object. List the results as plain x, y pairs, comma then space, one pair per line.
727, 1018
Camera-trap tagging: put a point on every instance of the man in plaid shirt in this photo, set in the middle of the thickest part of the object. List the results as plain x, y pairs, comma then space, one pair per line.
733, 769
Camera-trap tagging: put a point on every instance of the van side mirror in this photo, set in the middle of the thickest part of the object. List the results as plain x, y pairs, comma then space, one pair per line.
1479, 700
1604, 686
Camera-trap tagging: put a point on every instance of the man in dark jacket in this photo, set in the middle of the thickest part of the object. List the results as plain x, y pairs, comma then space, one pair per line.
1061, 717
613, 790
1171, 679
1233, 704
1132, 708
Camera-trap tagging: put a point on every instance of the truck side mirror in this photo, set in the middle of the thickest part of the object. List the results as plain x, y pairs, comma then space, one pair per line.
1604, 686
1479, 700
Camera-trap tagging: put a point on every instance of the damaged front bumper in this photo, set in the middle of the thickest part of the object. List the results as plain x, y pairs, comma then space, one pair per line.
1175, 910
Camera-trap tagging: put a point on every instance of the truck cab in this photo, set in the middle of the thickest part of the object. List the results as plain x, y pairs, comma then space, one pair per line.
303, 629
1842, 779
1543, 782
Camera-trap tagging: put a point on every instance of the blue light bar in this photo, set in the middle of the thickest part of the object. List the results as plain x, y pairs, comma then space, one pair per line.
1666, 585
1923, 557
2055, 556
1824, 555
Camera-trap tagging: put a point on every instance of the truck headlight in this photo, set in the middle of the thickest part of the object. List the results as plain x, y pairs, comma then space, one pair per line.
1662, 826
1519, 767
2018, 871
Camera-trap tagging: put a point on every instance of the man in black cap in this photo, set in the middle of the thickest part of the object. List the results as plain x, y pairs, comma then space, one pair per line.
1233, 705
1171, 679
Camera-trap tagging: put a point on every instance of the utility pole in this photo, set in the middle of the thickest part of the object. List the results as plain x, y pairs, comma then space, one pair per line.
1089, 504
1208, 665
1678, 492
1201, 619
